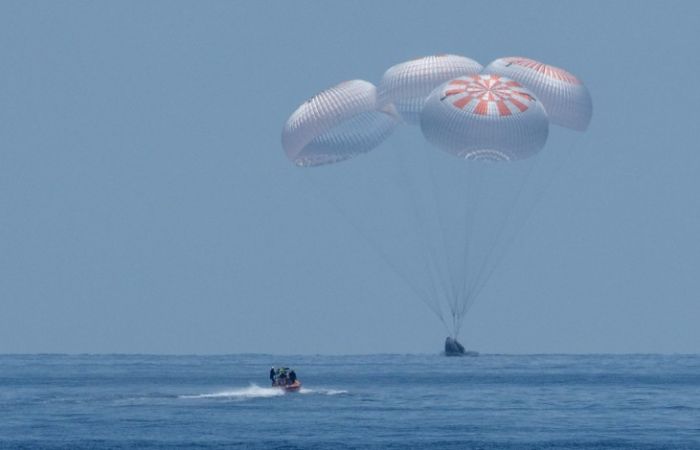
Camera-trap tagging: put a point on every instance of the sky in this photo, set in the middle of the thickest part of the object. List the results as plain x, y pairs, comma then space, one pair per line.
146, 205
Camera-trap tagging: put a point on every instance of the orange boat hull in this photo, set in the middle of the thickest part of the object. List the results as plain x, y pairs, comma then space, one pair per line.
292, 387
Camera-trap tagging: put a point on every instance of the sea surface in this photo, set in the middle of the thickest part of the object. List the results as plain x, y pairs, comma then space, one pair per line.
377, 401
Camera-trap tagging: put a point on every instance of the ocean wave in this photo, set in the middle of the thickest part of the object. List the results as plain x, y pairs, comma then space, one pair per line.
321, 391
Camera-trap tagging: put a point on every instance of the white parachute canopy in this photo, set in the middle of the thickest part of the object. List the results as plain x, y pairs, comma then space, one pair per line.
564, 96
337, 124
408, 84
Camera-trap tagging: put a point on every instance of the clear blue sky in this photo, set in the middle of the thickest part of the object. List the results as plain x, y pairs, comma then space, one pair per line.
146, 205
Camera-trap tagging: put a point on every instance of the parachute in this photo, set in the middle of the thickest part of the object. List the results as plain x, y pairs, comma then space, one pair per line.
564, 96
407, 85
485, 116
441, 209
337, 124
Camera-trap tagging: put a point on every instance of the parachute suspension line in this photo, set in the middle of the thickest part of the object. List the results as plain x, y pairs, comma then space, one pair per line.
428, 251
539, 194
471, 256
470, 214
452, 299
430, 260
420, 293
487, 259
550, 176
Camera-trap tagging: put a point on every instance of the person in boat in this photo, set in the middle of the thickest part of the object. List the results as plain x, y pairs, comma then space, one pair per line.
292, 376
272, 375
282, 377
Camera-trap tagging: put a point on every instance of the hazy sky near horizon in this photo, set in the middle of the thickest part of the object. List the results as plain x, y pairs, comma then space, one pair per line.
146, 204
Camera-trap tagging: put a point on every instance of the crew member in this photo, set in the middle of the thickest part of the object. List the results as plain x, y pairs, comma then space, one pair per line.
282, 377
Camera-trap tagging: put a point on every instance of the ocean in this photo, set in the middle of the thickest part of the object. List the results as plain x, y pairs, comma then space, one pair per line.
351, 402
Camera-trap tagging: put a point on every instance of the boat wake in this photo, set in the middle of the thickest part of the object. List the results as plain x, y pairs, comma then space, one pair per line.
255, 391
252, 391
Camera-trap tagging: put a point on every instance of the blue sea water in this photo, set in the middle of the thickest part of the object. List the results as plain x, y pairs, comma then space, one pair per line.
377, 401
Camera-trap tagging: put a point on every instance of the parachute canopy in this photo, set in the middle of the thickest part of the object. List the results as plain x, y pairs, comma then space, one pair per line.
564, 96
408, 84
485, 117
337, 124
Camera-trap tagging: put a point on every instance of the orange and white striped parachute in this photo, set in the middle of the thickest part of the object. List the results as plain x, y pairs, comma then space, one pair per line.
565, 98
485, 117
